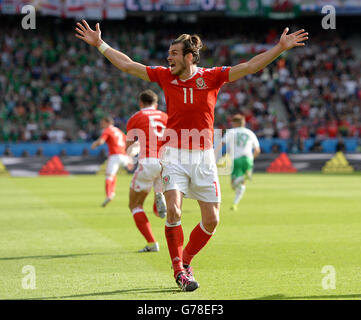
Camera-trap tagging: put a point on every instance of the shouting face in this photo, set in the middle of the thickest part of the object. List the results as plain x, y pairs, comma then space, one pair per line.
176, 60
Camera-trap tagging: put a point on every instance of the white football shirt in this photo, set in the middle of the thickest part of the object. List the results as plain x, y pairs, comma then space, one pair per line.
240, 142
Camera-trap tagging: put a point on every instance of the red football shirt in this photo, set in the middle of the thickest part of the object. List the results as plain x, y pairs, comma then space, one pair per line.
115, 139
332, 129
190, 105
148, 126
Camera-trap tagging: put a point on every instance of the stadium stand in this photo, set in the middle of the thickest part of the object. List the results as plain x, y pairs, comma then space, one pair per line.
54, 88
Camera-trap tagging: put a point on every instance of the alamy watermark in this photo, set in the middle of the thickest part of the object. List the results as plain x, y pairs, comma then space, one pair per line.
184, 146
29, 281
329, 20
329, 280
29, 20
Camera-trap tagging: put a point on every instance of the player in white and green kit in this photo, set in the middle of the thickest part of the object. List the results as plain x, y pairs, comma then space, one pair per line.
243, 146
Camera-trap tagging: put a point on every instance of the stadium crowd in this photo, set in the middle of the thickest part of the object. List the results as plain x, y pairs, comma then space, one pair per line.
49, 77
321, 90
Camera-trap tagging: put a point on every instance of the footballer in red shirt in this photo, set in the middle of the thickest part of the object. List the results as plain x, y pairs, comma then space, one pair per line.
187, 158
145, 128
115, 140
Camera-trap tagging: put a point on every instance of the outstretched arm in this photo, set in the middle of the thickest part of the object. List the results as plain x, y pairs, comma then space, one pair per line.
117, 58
261, 60
97, 143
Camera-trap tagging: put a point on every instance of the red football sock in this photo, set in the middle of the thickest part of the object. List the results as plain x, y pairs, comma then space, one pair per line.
143, 224
197, 240
175, 239
108, 187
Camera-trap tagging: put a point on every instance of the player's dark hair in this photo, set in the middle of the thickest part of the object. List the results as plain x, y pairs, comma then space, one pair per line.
191, 44
148, 97
239, 119
108, 120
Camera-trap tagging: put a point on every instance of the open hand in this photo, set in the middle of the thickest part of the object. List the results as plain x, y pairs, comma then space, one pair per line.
88, 35
291, 40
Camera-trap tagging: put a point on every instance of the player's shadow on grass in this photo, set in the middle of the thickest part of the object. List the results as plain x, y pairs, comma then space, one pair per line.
334, 296
63, 256
110, 293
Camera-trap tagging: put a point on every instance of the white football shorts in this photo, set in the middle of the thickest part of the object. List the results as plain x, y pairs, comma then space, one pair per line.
114, 162
147, 175
193, 172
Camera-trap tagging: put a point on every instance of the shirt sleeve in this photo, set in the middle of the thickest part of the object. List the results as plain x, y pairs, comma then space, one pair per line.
105, 135
156, 74
222, 75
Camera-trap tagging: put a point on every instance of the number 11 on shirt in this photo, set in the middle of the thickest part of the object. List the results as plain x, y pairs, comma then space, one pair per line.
190, 93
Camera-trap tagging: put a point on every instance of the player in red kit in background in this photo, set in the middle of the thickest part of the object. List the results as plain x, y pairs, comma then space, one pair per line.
189, 169
115, 140
147, 127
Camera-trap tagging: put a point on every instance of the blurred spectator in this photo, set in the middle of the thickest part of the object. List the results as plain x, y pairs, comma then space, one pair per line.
276, 148
39, 152
340, 145
7, 152
52, 78
56, 135
317, 146
25, 154
322, 89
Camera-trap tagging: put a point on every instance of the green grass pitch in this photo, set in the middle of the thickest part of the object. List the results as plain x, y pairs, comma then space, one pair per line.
287, 229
